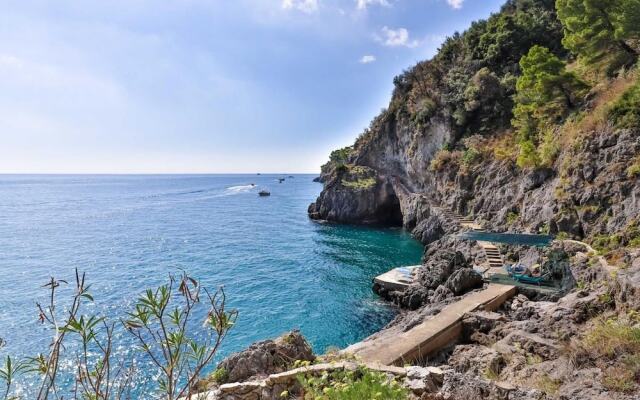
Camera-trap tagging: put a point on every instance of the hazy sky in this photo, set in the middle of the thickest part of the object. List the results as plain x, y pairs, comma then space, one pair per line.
119, 86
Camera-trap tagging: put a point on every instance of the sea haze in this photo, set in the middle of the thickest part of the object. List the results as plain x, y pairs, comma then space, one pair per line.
280, 270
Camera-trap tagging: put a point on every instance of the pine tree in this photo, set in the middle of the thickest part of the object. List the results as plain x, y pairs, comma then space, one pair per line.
546, 92
628, 22
594, 29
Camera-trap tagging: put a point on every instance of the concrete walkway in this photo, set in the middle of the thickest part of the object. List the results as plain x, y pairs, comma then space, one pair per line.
431, 335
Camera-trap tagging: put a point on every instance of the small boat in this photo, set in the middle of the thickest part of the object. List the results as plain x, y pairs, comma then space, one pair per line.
264, 193
520, 273
280, 180
291, 176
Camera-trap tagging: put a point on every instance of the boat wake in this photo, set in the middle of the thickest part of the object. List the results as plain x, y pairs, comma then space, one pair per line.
238, 189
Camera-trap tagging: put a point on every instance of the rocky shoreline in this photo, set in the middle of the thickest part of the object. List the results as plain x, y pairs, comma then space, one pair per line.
532, 347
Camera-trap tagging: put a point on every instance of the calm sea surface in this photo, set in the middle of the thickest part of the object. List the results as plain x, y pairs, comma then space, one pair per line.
280, 270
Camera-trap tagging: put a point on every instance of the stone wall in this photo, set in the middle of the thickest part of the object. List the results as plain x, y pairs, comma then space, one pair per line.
418, 379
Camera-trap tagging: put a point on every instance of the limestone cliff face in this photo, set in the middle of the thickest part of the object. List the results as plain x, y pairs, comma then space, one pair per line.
586, 193
397, 156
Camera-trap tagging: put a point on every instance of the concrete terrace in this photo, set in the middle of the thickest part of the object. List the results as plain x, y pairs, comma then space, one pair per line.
397, 279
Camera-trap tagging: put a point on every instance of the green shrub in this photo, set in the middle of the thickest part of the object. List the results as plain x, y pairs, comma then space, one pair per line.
360, 384
627, 237
549, 149
634, 169
220, 375
425, 109
443, 158
528, 156
470, 157
614, 339
365, 183
625, 113
512, 217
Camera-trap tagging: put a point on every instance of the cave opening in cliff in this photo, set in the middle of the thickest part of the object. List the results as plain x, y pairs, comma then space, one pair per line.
390, 212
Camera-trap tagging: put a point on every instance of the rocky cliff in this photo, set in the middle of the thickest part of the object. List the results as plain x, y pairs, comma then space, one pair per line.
446, 140
450, 143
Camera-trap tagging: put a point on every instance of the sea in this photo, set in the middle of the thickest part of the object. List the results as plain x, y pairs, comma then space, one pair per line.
127, 233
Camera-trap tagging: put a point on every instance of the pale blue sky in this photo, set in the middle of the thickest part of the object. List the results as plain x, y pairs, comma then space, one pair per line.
145, 86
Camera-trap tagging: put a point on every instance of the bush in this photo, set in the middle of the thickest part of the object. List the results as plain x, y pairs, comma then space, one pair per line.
364, 183
634, 170
613, 345
352, 385
549, 149
625, 113
358, 177
220, 375
470, 157
444, 158
629, 236
613, 337
528, 156
424, 110
512, 217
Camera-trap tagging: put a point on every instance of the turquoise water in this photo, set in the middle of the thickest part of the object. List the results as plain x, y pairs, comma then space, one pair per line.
280, 270
509, 238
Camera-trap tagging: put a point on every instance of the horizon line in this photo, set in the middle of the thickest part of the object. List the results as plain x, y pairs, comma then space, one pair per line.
159, 173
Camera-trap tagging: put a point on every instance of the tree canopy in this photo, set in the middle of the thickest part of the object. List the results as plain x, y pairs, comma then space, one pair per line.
546, 92
596, 29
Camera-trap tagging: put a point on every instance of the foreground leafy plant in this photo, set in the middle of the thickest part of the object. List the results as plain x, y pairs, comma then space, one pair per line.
163, 332
162, 323
8, 372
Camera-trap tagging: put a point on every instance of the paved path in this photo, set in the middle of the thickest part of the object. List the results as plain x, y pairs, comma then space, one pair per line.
603, 261
432, 334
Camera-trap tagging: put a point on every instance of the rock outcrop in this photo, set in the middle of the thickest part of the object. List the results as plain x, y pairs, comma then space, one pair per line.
357, 195
265, 358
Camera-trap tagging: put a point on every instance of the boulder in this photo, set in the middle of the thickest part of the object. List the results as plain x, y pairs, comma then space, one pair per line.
266, 357
429, 230
463, 280
536, 178
422, 380
439, 266
480, 322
